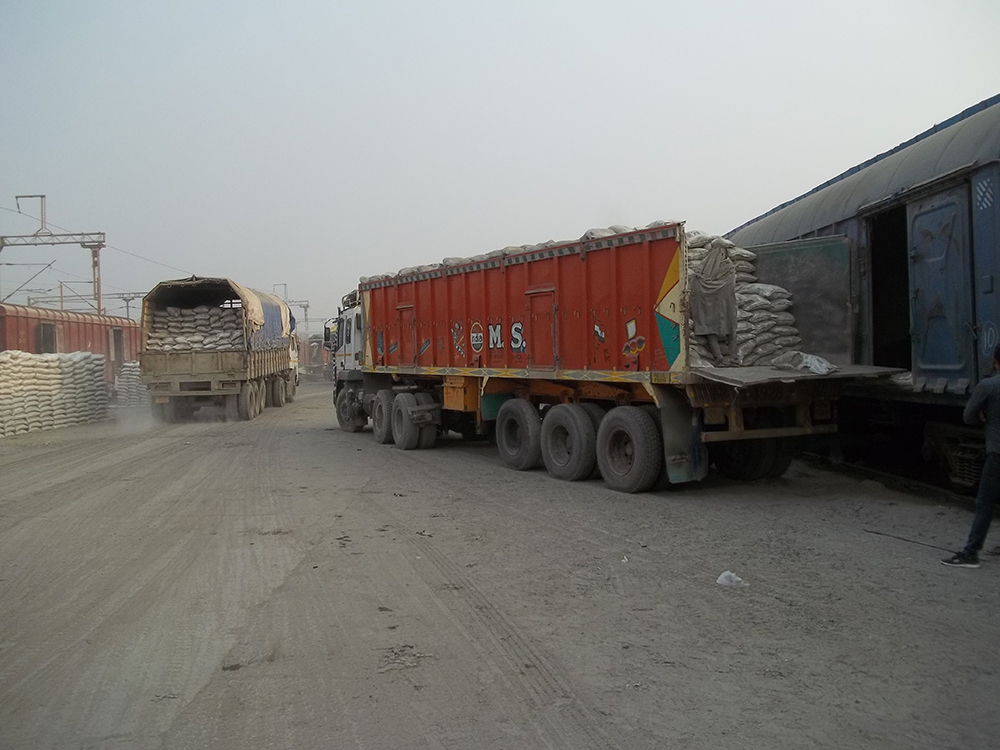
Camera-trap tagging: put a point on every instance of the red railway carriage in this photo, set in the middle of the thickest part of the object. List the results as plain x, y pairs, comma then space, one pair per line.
42, 331
605, 306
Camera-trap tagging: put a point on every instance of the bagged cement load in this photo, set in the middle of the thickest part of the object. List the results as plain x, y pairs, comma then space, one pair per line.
46, 391
763, 329
198, 328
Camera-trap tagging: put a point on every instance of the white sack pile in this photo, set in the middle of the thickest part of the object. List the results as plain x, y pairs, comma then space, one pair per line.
765, 328
202, 327
45, 391
131, 390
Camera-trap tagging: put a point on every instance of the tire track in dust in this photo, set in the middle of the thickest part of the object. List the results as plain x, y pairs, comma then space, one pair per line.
570, 723
171, 543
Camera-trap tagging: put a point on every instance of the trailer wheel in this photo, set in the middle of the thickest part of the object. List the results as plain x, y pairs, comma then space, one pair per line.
744, 460
569, 442
382, 416
232, 407
519, 434
161, 412
629, 449
278, 392
345, 419
290, 388
405, 432
428, 432
247, 401
663, 480
261, 396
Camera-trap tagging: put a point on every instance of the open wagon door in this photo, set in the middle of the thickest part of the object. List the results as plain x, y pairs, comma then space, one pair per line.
817, 272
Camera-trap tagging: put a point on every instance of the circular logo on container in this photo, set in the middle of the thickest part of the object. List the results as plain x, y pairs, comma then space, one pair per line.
476, 337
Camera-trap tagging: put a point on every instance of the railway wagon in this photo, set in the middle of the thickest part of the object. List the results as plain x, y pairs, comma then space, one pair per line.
574, 354
39, 330
919, 228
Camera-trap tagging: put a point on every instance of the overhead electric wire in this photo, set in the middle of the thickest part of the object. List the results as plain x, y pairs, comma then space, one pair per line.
110, 247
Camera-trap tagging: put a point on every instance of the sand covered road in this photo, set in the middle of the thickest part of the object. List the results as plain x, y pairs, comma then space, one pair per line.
279, 583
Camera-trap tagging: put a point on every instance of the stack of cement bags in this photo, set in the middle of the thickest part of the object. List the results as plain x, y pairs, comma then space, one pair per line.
765, 329
202, 327
45, 391
131, 390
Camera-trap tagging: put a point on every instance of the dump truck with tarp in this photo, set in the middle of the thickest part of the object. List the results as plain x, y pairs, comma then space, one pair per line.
648, 353
213, 342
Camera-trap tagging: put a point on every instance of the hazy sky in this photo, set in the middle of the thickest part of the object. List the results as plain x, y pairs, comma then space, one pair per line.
311, 143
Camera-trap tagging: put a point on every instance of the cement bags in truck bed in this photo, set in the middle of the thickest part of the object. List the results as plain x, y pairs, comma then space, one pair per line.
764, 332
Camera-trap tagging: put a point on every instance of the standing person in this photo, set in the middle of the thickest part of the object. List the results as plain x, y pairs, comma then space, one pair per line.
983, 406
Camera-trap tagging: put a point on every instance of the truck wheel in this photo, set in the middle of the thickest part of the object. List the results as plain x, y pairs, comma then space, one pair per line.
663, 480
261, 395
345, 419
519, 434
160, 412
232, 407
278, 392
596, 413
290, 388
428, 432
569, 442
629, 449
405, 432
744, 460
247, 402
783, 455
382, 416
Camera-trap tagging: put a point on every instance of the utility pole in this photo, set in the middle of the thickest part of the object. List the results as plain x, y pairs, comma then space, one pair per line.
93, 241
304, 304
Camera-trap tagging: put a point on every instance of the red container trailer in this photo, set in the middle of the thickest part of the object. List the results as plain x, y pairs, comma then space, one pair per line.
571, 354
40, 330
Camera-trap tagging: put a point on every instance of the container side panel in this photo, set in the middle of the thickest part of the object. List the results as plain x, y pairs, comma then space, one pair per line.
496, 315
986, 241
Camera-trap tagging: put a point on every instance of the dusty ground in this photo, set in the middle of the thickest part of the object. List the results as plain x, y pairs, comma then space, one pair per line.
282, 584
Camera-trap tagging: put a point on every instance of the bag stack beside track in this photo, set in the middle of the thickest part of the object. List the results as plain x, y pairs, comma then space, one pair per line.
45, 391
131, 390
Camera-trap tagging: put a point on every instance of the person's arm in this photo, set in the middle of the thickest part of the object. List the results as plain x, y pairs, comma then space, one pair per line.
974, 409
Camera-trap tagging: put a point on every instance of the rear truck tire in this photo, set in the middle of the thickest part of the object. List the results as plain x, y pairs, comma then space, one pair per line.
382, 416
596, 413
278, 392
519, 434
405, 432
783, 456
744, 460
569, 442
261, 395
290, 388
347, 421
183, 410
629, 449
428, 432
663, 480
160, 412
247, 402
232, 407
